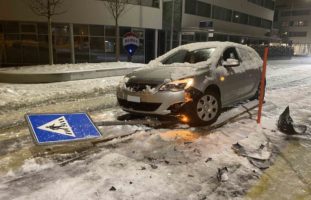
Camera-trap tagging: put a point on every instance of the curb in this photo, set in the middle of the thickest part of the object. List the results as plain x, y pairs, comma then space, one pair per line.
11, 77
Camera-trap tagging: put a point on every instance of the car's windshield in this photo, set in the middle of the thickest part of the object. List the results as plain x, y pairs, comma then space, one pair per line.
185, 56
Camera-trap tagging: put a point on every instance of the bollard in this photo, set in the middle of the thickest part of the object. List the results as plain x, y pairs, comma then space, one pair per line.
262, 85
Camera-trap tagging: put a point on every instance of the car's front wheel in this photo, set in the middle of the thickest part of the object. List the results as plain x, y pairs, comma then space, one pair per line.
205, 109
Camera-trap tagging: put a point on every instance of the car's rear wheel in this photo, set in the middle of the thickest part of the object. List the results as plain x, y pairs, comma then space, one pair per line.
205, 109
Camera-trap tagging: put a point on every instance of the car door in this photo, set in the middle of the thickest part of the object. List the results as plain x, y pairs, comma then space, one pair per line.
234, 81
251, 71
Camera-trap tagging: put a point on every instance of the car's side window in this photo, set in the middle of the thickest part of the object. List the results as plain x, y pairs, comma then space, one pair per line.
178, 57
244, 54
230, 53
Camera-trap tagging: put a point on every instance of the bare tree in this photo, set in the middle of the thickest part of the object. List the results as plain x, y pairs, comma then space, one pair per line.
48, 9
116, 9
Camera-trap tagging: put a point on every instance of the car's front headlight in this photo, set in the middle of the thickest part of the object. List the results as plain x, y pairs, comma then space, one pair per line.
178, 85
123, 81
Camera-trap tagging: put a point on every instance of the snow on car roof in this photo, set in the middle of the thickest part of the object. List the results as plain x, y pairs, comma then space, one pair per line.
200, 45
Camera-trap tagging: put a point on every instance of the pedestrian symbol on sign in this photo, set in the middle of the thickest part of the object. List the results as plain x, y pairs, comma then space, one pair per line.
59, 125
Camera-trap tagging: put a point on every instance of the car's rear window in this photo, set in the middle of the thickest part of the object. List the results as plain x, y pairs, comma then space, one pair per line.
185, 56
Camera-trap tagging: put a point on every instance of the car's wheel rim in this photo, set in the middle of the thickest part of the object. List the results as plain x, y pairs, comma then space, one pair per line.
207, 108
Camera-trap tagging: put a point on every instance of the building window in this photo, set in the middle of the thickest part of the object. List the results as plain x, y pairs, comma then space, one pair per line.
269, 4
285, 24
254, 21
240, 18
82, 48
96, 30
302, 23
82, 30
297, 34
299, 23
140, 52
288, 13
222, 13
300, 12
81, 43
110, 31
13, 49
258, 2
266, 24
28, 28
203, 9
190, 7
264, 3
149, 3
97, 49
110, 49
11, 27
124, 30
199, 8
42, 28
1, 27
285, 13
29, 48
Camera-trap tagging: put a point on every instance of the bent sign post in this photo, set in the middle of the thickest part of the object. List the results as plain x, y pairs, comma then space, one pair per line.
59, 128
130, 43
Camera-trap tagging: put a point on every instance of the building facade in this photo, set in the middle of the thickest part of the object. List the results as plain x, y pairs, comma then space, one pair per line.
85, 32
294, 22
243, 21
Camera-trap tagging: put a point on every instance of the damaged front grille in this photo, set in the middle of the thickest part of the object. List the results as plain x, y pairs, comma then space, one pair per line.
142, 106
139, 87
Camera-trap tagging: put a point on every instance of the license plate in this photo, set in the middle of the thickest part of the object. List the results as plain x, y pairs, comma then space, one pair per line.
133, 99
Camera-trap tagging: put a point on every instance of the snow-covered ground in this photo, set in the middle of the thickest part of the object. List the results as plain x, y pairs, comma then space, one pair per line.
173, 163
15, 96
60, 68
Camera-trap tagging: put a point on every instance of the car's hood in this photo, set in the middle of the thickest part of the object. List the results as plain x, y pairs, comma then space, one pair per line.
164, 73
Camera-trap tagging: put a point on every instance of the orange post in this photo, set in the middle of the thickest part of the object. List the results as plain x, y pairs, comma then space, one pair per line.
262, 85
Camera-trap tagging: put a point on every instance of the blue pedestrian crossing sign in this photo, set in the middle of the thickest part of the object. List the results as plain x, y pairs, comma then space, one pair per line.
59, 128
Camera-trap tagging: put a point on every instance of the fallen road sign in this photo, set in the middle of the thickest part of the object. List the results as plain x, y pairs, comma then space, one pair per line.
60, 127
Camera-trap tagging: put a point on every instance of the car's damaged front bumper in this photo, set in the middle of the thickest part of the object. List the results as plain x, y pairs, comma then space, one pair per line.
156, 103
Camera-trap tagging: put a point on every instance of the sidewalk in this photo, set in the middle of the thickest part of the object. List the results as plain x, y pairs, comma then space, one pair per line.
65, 72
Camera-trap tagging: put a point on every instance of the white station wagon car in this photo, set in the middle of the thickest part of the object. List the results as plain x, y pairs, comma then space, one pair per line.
194, 81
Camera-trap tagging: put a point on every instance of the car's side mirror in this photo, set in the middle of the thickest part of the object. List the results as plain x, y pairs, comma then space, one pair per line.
231, 63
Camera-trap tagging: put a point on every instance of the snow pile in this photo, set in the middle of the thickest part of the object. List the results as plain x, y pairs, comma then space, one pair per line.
61, 68
14, 96
31, 166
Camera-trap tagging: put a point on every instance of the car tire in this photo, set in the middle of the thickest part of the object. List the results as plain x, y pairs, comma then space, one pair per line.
205, 109
256, 96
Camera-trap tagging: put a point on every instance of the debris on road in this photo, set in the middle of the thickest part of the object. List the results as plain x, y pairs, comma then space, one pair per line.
222, 174
259, 157
286, 124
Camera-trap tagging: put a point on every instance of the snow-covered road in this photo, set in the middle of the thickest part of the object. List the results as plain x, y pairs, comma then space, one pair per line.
178, 163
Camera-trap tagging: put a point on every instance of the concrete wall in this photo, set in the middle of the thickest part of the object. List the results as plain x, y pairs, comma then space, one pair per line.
228, 27
85, 12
